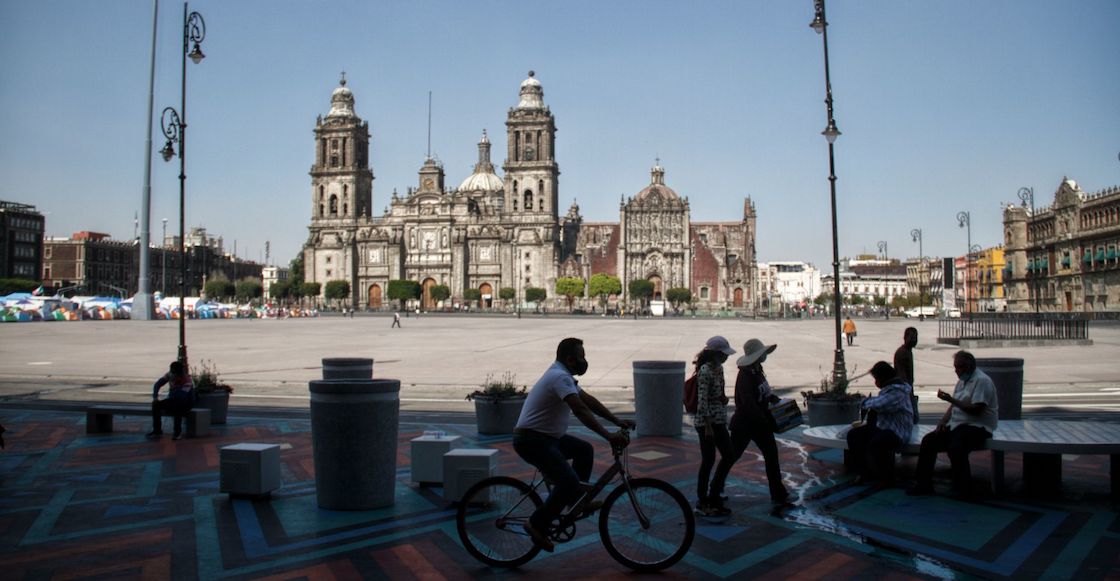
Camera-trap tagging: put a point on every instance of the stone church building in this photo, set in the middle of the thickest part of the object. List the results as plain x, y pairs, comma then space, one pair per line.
493, 232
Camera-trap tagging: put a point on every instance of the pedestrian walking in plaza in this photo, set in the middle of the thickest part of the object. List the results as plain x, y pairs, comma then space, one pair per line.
904, 355
752, 420
969, 422
396, 321
849, 330
180, 398
887, 427
710, 421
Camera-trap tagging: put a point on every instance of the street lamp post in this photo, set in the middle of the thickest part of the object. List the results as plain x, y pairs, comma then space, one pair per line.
964, 219
886, 295
976, 249
163, 260
174, 128
916, 235
820, 25
142, 302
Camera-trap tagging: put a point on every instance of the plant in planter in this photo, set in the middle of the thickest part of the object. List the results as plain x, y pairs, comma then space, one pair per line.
211, 392
832, 404
497, 404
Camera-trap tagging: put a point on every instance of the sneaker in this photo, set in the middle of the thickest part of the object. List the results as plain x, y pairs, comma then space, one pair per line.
539, 539
177, 437
153, 435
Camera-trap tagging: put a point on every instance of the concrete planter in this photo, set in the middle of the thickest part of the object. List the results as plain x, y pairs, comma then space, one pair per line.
827, 411
215, 401
497, 415
347, 368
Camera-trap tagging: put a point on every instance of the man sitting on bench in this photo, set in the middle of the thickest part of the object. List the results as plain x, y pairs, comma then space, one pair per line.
179, 399
966, 426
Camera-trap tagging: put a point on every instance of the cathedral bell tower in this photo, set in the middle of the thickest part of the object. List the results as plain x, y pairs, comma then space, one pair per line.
341, 180
531, 173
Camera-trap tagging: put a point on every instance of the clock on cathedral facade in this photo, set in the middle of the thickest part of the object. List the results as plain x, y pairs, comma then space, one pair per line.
493, 232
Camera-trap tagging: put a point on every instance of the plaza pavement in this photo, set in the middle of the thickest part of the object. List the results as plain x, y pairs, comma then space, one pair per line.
117, 506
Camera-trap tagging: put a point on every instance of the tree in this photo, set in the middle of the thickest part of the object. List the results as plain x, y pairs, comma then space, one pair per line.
677, 296
17, 285
535, 295
471, 294
310, 289
248, 289
337, 290
295, 271
403, 290
602, 286
219, 289
823, 299
641, 290
569, 288
439, 292
507, 293
280, 289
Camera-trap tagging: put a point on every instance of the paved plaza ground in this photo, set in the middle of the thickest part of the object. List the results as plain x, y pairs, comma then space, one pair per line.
117, 506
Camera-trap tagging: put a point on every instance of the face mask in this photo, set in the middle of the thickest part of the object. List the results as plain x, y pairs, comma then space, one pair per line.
580, 367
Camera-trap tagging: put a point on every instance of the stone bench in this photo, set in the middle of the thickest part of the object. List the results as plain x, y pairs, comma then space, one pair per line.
99, 418
463, 467
249, 470
1042, 443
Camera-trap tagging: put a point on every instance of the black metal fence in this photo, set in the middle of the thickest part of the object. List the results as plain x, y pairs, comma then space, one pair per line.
1019, 328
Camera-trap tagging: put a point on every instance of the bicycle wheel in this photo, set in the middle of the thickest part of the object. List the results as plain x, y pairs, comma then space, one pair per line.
668, 535
490, 519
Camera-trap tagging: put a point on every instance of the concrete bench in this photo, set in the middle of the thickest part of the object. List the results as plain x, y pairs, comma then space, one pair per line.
99, 418
463, 467
249, 470
1042, 443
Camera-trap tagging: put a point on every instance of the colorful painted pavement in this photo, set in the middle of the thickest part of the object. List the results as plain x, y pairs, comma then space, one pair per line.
116, 506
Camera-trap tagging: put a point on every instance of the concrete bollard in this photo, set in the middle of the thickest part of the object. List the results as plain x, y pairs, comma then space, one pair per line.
658, 393
1007, 374
354, 427
347, 368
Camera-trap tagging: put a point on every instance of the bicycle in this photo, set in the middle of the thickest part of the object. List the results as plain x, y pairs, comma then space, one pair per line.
651, 532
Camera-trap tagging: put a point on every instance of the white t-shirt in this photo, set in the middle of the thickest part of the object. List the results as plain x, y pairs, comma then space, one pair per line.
977, 389
545, 410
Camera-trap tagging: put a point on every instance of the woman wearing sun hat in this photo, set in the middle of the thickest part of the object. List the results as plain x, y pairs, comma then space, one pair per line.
752, 420
710, 421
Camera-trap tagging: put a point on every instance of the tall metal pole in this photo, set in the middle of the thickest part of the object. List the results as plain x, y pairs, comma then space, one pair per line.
820, 24
142, 302
965, 221
163, 260
916, 235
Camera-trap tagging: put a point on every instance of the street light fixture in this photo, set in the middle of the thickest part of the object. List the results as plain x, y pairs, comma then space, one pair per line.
916, 235
174, 125
964, 219
820, 24
1026, 195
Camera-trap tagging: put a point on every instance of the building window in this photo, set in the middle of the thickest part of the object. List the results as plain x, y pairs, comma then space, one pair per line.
704, 293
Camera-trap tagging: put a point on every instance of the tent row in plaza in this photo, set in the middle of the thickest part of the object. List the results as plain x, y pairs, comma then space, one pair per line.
25, 307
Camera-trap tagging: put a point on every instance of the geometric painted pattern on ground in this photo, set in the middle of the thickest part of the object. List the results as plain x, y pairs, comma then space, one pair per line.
116, 506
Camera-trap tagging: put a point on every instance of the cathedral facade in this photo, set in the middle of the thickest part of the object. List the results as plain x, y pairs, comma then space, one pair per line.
493, 232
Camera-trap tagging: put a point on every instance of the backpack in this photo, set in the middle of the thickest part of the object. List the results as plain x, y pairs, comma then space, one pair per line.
690, 401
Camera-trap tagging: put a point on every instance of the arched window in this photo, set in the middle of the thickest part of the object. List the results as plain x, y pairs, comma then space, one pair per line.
334, 205
344, 143
320, 193
515, 204
320, 210
345, 209
528, 200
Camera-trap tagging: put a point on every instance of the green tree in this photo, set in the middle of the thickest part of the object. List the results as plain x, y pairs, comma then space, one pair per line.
535, 295
295, 271
507, 293
677, 296
823, 299
899, 302
337, 290
17, 285
604, 285
569, 288
310, 290
219, 289
641, 290
248, 289
280, 290
439, 292
403, 290
472, 294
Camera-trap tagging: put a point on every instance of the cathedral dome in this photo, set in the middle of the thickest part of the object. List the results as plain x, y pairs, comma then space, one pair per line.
532, 95
483, 177
342, 100
657, 191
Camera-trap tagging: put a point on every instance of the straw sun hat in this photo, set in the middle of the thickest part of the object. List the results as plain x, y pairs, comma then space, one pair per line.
754, 350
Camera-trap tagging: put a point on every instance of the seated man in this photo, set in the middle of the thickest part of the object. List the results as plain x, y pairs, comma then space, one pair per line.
179, 399
970, 420
541, 438
890, 420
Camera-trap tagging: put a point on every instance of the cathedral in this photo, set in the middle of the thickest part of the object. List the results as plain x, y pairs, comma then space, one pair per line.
505, 232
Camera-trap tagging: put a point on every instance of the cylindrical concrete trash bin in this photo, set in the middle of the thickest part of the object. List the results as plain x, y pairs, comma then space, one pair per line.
354, 441
1007, 374
658, 395
347, 368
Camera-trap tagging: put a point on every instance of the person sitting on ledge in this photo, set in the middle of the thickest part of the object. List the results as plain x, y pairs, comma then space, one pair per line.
889, 423
180, 398
966, 426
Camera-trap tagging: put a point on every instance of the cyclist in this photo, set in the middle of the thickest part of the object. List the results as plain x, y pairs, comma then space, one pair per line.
541, 438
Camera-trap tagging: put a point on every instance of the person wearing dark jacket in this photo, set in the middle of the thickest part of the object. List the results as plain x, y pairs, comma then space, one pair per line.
752, 420
178, 402
904, 356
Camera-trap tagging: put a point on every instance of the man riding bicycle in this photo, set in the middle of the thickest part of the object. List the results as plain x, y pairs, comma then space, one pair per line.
541, 437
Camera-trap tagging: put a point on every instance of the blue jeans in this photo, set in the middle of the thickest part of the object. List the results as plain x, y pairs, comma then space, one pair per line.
551, 456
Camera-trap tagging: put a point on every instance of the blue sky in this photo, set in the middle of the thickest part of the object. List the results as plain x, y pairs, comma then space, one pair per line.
944, 106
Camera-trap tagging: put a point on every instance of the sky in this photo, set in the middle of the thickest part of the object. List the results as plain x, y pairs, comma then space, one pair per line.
944, 107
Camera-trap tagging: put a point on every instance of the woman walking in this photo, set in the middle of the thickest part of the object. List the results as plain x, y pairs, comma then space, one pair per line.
752, 420
710, 421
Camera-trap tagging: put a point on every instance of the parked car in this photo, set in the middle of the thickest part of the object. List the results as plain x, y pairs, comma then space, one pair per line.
917, 312
953, 313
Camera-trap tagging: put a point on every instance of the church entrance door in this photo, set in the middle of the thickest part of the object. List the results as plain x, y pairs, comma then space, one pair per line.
375, 297
738, 301
656, 280
426, 298
487, 298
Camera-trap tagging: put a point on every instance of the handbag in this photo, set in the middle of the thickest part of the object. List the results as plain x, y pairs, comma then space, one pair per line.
787, 415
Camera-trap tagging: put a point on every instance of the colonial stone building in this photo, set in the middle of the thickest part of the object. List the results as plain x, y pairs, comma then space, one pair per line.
495, 232
1064, 258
